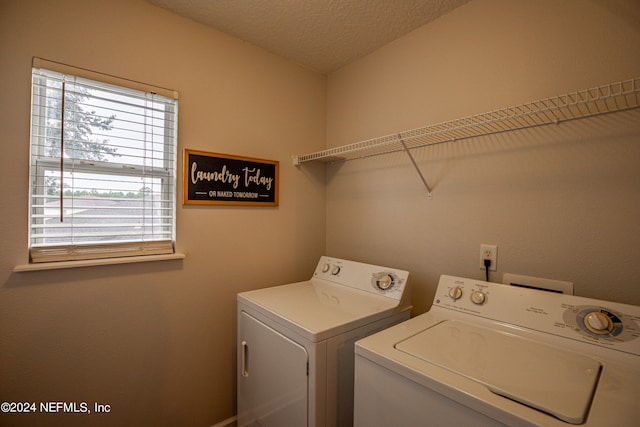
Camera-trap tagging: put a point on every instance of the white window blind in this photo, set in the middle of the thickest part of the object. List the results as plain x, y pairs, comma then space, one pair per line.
103, 166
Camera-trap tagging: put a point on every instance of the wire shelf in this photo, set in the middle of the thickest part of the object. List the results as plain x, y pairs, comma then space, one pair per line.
604, 99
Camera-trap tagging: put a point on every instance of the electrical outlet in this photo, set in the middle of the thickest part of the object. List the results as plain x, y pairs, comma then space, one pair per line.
489, 252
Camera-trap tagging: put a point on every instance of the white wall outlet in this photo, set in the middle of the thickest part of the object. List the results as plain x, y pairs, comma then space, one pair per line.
489, 252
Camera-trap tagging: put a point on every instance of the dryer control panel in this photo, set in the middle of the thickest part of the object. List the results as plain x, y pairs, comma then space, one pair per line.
389, 282
603, 323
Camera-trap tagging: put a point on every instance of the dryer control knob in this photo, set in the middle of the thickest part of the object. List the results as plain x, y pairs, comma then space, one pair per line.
598, 322
384, 282
325, 268
478, 297
335, 270
455, 293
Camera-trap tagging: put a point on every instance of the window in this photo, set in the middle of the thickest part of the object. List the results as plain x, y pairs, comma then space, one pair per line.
103, 166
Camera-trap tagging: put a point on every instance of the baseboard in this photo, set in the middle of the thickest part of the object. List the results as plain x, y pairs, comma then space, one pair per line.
229, 422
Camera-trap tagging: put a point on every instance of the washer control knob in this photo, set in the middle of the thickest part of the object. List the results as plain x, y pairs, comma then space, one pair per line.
598, 322
335, 270
384, 282
455, 293
478, 297
326, 267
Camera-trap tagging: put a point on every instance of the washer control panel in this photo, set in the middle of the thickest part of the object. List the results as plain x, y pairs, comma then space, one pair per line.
607, 324
389, 282
601, 322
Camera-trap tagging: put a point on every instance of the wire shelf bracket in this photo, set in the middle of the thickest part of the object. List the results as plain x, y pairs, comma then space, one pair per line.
609, 98
415, 165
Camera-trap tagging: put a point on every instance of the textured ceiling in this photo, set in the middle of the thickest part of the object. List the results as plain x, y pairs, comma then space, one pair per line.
323, 35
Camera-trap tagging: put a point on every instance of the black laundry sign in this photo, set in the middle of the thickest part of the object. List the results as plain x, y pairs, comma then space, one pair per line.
221, 179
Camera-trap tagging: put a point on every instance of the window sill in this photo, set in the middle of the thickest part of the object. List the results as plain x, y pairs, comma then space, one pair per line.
94, 262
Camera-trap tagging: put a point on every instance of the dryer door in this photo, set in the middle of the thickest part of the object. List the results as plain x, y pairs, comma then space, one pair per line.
272, 376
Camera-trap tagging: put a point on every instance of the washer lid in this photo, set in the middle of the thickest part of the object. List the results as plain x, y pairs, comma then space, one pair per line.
555, 381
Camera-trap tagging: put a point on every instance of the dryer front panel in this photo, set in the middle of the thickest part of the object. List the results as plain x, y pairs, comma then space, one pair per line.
272, 376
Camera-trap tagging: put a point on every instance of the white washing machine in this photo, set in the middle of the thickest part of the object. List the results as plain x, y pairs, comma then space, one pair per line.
488, 354
295, 342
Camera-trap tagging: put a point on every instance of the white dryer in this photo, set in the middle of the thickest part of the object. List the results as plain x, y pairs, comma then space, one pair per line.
295, 342
488, 354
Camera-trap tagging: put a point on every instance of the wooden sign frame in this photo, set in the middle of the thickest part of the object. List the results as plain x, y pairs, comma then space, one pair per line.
223, 179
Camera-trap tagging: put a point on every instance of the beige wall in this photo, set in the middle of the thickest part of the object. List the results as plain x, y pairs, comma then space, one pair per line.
560, 202
156, 341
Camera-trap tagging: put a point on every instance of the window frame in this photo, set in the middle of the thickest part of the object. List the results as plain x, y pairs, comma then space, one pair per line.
166, 174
